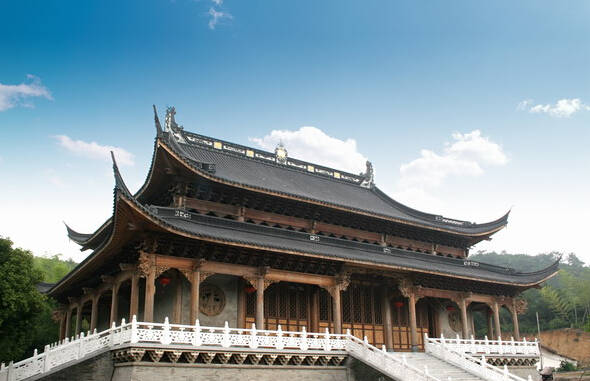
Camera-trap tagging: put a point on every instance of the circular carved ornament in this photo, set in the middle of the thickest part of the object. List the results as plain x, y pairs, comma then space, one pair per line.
212, 300
455, 321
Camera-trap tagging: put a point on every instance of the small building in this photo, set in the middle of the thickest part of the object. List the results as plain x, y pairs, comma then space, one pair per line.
223, 232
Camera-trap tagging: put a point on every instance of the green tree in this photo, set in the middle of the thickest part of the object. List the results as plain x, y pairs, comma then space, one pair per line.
53, 267
21, 304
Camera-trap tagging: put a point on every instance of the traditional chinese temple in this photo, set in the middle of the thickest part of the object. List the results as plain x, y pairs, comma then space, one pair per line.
223, 232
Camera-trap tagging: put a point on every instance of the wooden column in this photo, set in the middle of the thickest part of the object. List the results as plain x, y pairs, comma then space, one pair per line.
177, 313
68, 323
134, 297
413, 326
260, 303
114, 303
94, 313
464, 323
387, 320
515, 323
241, 321
78, 318
150, 291
489, 313
314, 323
62, 323
336, 310
496, 309
195, 285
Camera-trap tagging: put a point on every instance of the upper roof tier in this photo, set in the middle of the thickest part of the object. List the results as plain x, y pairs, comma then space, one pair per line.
279, 174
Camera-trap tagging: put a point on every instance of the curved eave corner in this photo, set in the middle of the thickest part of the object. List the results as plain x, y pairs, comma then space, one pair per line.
489, 228
119, 189
79, 238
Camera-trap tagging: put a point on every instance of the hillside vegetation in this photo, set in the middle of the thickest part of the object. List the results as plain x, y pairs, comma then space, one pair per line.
564, 302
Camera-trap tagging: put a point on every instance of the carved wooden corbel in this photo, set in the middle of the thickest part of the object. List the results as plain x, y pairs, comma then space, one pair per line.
161, 269
520, 305
251, 280
145, 264
204, 275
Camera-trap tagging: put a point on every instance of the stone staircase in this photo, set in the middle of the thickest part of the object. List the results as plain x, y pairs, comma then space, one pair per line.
437, 368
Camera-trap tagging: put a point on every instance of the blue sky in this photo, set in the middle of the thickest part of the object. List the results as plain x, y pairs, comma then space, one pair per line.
465, 108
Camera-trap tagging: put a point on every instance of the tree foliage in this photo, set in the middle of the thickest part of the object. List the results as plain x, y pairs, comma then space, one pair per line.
25, 314
53, 267
21, 304
563, 302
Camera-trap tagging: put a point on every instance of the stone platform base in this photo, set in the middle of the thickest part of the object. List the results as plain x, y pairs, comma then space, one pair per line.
214, 372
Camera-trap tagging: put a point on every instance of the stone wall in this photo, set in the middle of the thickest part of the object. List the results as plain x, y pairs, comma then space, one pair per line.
229, 285
99, 368
444, 325
572, 343
182, 372
166, 295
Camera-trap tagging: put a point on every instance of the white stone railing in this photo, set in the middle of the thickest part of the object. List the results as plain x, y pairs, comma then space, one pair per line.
70, 351
475, 365
491, 347
384, 362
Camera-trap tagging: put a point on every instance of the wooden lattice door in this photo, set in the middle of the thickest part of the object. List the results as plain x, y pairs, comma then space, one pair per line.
285, 303
401, 323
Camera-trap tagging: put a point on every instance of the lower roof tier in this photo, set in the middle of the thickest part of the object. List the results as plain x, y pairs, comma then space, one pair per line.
132, 219
275, 239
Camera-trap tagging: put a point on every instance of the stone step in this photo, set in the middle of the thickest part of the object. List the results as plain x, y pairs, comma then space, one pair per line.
436, 367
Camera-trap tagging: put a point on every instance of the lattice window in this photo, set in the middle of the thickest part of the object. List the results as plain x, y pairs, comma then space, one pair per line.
325, 306
285, 304
251, 304
357, 305
367, 296
346, 307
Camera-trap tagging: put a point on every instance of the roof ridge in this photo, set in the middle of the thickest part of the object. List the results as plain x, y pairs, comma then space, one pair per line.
263, 156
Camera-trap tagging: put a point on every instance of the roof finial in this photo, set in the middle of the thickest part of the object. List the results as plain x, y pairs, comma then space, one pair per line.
170, 122
157, 121
281, 153
369, 176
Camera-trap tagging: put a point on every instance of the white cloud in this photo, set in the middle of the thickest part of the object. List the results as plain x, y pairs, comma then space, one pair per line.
94, 150
468, 155
217, 16
314, 145
53, 177
564, 108
217, 2
17, 95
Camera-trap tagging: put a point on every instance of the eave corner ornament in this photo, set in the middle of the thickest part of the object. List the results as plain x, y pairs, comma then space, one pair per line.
281, 153
171, 126
369, 176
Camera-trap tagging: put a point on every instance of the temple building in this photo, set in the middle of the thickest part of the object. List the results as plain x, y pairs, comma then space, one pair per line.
223, 232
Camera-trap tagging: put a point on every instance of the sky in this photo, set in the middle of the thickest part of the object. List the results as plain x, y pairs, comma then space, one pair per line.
465, 108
